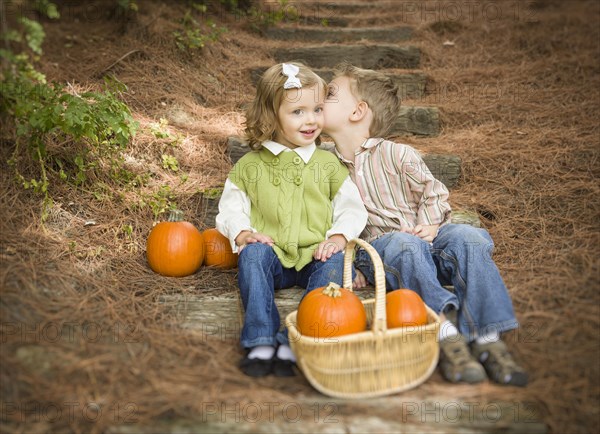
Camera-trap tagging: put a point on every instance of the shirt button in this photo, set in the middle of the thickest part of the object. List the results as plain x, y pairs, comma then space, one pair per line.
276, 181
298, 180
275, 161
297, 160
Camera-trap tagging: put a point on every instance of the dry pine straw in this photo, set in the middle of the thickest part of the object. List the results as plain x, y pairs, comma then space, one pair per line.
530, 164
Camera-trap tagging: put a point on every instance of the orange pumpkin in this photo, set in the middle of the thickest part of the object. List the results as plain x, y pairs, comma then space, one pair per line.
218, 250
175, 248
331, 311
405, 308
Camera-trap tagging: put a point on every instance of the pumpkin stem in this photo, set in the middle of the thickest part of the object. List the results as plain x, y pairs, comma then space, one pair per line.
333, 290
175, 215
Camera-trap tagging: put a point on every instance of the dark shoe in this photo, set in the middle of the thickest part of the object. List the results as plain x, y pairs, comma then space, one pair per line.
283, 368
256, 367
456, 362
499, 364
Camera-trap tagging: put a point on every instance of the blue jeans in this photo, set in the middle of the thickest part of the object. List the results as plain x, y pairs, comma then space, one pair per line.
461, 255
260, 273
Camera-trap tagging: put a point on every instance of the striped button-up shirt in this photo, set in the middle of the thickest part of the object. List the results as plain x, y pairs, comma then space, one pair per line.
397, 188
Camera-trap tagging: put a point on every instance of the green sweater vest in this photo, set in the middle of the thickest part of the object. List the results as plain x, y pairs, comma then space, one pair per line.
290, 200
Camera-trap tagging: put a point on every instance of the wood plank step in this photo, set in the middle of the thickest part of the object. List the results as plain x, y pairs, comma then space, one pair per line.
406, 413
364, 56
332, 35
328, 19
410, 84
330, 9
420, 121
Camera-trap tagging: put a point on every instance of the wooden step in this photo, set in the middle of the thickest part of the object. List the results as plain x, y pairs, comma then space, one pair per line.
411, 85
330, 9
319, 19
407, 412
325, 34
364, 56
420, 121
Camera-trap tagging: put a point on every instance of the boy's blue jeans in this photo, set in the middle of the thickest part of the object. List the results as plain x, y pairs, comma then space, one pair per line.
260, 273
461, 255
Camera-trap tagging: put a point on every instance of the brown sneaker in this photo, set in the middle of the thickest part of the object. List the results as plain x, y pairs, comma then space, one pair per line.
499, 364
457, 363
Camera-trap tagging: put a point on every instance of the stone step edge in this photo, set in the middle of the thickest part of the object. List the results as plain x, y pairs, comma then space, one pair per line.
411, 84
308, 414
344, 34
370, 56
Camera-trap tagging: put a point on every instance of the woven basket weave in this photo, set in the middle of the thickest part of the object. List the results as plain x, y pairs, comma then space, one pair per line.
376, 362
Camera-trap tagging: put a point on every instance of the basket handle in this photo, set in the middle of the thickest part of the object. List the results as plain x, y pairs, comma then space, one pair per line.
379, 317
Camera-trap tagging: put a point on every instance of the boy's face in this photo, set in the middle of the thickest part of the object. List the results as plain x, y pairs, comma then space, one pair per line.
340, 103
300, 117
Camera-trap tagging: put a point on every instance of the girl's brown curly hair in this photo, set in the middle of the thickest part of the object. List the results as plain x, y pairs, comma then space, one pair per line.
261, 117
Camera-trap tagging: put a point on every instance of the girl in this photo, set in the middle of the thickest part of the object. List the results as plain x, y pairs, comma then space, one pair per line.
288, 208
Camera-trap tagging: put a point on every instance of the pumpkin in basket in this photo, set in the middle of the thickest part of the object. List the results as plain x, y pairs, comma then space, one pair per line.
331, 311
405, 308
218, 250
175, 248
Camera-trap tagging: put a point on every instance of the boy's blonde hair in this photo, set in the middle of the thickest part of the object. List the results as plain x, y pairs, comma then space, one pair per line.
261, 117
378, 91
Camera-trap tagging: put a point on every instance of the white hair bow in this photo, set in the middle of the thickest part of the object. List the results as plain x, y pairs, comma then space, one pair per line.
292, 81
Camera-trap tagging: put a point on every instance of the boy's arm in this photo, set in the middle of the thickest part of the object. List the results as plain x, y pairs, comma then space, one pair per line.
431, 194
349, 220
234, 214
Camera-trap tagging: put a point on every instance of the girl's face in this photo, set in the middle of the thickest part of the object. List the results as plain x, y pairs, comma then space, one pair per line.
300, 116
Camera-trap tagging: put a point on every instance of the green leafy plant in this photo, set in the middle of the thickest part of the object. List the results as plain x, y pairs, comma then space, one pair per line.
128, 5
169, 162
195, 35
68, 134
274, 13
159, 202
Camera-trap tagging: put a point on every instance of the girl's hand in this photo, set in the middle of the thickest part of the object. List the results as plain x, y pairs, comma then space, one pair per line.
426, 232
360, 281
247, 237
327, 248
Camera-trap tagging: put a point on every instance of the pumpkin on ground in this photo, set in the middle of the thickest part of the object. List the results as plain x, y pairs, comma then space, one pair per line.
175, 248
218, 250
331, 311
405, 308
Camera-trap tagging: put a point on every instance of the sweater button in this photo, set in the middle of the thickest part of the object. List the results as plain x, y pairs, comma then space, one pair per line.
297, 160
275, 161
298, 180
276, 181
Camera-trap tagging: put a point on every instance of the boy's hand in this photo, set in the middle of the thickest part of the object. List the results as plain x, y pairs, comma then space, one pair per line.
426, 232
360, 281
333, 244
247, 237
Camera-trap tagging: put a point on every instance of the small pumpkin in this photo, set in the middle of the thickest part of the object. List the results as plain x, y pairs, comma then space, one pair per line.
218, 250
405, 308
331, 311
175, 248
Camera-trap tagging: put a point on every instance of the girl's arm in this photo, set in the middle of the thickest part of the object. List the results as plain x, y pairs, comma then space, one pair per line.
349, 220
234, 213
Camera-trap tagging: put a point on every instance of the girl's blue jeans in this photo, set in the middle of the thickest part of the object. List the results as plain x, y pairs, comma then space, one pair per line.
460, 255
260, 273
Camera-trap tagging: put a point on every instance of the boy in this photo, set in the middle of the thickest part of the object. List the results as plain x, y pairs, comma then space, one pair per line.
409, 227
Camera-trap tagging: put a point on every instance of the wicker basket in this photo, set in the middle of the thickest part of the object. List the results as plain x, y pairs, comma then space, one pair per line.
375, 362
